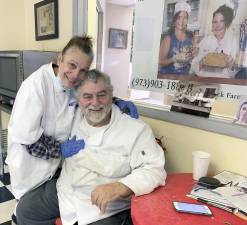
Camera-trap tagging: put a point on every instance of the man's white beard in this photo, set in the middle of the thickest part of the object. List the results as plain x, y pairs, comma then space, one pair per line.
98, 116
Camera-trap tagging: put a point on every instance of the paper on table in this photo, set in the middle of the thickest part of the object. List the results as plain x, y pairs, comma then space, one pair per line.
243, 183
210, 195
236, 179
234, 195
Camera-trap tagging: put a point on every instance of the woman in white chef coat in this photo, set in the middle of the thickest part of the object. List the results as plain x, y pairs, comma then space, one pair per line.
42, 116
221, 40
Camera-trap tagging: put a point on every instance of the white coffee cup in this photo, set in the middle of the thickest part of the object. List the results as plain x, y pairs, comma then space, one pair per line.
200, 164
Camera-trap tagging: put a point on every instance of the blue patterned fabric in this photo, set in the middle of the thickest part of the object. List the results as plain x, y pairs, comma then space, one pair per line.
46, 148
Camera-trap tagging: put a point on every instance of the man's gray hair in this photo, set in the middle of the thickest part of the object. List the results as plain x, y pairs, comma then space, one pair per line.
95, 75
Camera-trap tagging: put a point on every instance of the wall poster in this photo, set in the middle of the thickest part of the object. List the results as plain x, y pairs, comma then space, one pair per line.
201, 41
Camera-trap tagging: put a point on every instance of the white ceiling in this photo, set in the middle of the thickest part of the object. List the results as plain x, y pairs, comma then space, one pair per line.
122, 2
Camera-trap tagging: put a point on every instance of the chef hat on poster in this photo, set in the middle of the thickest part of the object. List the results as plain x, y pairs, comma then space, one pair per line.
182, 6
230, 4
233, 4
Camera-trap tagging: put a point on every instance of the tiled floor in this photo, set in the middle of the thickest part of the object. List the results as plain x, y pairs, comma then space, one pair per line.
7, 201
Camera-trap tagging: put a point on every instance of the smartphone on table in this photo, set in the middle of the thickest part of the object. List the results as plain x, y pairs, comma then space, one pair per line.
192, 208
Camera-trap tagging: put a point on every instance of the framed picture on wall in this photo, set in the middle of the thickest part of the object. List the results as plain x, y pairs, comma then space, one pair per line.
118, 38
46, 20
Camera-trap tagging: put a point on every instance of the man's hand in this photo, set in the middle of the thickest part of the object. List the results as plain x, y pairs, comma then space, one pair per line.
103, 194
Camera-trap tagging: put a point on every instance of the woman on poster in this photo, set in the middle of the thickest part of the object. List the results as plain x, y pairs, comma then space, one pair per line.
217, 51
176, 47
241, 117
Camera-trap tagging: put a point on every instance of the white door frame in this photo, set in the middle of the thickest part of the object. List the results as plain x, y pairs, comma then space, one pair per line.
80, 17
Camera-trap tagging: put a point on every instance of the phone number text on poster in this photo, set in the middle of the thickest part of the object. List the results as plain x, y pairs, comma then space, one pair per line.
151, 83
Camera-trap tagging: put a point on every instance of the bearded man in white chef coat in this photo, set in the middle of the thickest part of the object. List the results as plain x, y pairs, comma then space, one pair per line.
120, 158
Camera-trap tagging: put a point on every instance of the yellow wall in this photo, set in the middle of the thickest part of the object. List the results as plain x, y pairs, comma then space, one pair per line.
5, 120
227, 153
92, 18
18, 26
12, 24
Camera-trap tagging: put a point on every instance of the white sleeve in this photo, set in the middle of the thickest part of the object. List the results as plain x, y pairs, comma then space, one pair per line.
234, 46
147, 163
204, 47
201, 53
25, 121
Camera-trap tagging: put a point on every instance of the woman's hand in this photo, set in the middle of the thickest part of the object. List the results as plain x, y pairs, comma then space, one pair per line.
230, 62
72, 147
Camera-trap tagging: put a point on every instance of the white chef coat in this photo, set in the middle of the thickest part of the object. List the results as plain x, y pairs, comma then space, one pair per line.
228, 45
41, 106
125, 150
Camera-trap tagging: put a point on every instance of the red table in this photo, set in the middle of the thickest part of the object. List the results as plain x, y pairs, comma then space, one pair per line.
156, 208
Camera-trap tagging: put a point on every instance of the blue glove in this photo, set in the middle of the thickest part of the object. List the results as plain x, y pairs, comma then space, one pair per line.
71, 147
128, 108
